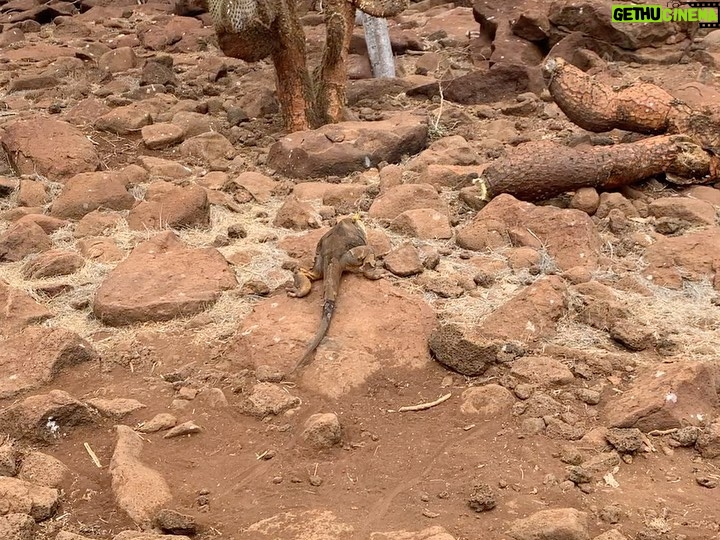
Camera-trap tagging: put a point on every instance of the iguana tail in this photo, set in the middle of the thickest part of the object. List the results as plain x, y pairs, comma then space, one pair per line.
328, 310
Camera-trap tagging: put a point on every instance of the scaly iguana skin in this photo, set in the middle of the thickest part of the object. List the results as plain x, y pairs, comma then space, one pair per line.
255, 29
343, 248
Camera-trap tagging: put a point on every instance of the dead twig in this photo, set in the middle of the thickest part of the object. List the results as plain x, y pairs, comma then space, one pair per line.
648, 443
424, 406
661, 432
92, 455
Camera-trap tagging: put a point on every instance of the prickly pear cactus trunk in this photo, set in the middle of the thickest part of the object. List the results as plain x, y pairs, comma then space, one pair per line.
255, 29
293, 82
332, 78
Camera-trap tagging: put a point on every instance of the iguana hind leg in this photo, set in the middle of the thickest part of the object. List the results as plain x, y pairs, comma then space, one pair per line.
302, 282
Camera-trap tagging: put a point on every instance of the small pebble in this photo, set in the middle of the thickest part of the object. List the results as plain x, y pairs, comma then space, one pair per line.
315, 480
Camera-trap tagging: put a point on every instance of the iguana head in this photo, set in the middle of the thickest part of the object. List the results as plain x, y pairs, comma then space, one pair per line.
358, 222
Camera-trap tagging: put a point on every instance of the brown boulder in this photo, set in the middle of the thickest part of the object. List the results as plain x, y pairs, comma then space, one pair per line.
344, 197
20, 497
586, 199
466, 354
704, 193
21, 240
125, 120
666, 397
43, 469
510, 49
194, 123
502, 81
48, 224
44, 417
31, 193
529, 316
162, 279
423, 223
449, 176
258, 185
693, 211
86, 192
691, 256
139, 490
17, 527
297, 215
610, 201
398, 199
100, 249
532, 25
569, 236
559, 523
35, 355
165, 168
268, 399
488, 401
404, 261
96, 223
322, 430
170, 205
56, 262
339, 149
49, 147
453, 150
118, 60
172, 30
161, 135
598, 305
542, 370
208, 147
19, 310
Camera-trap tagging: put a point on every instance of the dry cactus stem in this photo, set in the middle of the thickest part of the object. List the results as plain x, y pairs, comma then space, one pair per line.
541, 170
640, 107
255, 29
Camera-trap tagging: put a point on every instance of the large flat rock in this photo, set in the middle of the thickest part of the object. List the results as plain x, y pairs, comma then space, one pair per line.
374, 326
49, 147
339, 149
34, 356
162, 279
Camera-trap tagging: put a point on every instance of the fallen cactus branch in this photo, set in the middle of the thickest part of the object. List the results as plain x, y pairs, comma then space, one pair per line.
541, 170
640, 107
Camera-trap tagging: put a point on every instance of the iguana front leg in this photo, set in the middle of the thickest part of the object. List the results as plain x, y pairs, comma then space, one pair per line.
361, 260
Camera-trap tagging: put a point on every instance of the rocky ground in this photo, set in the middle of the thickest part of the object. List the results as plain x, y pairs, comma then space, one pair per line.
152, 212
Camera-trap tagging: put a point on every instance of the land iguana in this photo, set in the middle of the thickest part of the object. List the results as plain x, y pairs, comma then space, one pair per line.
255, 29
343, 248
